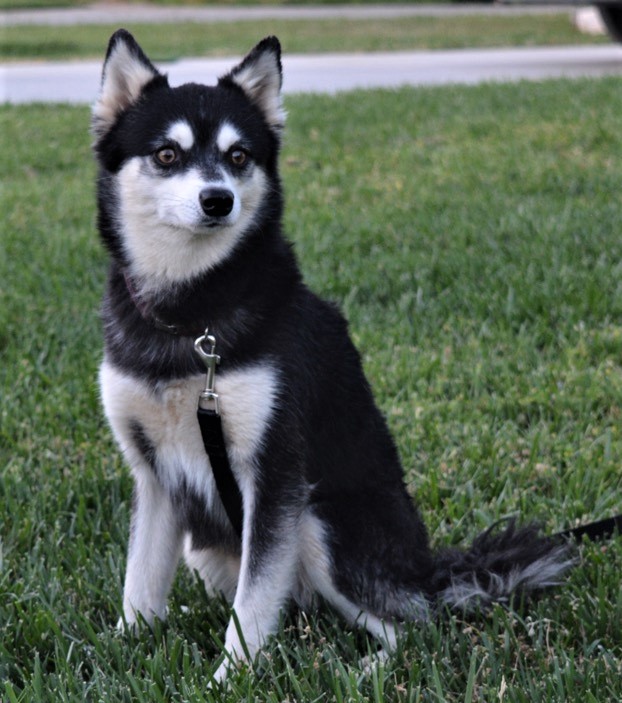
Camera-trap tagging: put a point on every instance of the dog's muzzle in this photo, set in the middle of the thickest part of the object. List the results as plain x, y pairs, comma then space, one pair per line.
216, 202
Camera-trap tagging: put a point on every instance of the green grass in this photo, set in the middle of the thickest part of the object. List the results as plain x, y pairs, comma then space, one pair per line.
472, 236
39, 4
172, 41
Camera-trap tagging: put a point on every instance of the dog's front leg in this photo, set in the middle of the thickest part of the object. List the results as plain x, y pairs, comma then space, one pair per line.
267, 574
154, 550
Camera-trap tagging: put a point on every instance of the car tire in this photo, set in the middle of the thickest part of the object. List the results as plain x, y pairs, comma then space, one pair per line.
612, 17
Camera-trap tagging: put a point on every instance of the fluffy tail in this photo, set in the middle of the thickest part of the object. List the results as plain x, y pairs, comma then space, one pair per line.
499, 565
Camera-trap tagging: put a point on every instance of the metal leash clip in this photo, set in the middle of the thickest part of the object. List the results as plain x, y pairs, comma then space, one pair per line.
208, 400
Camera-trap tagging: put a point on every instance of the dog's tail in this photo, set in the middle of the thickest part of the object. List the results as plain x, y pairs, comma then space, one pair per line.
500, 564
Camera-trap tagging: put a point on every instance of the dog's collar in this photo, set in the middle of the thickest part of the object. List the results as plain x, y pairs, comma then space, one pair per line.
146, 310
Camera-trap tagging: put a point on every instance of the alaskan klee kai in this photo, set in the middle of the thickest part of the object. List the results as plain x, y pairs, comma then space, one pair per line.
190, 207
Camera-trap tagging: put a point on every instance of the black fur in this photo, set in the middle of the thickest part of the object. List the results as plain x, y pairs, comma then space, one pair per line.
206, 531
144, 445
328, 450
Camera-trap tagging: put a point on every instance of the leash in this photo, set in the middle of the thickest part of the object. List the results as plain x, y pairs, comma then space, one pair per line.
601, 529
208, 414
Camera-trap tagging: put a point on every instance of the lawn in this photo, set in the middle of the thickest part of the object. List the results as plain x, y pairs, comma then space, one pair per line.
472, 237
171, 41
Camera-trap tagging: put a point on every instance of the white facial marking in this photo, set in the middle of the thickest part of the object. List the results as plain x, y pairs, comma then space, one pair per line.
227, 137
181, 133
165, 233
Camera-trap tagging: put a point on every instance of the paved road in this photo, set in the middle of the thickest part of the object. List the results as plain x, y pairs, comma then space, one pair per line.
78, 82
103, 13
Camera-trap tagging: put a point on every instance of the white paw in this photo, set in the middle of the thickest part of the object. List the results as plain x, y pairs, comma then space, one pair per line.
228, 666
133, 621
127, 627
122, 626
236, 655
374, 661
222, 672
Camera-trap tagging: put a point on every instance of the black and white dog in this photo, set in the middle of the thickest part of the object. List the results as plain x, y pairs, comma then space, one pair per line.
190, 210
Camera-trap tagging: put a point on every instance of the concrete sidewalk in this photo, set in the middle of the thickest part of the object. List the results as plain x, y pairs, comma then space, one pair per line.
78, 82
113, 13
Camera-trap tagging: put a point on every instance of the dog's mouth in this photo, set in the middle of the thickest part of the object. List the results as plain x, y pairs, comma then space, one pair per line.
212, 223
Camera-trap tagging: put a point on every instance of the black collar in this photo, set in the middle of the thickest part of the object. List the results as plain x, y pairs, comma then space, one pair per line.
147, 312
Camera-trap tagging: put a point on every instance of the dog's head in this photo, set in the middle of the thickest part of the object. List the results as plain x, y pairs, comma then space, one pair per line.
187, 171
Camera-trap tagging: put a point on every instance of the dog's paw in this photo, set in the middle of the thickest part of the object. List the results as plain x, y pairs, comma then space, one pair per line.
219, 678
133, 622
228, 667
374, 661
236, 656
125, 627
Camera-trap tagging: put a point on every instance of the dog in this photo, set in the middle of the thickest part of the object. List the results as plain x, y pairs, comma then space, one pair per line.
190, 208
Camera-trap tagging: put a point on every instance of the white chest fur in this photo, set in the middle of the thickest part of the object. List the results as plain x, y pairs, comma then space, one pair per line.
166, 416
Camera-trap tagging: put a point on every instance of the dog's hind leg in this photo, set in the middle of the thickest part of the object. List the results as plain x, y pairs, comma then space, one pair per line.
218, 569
316, 573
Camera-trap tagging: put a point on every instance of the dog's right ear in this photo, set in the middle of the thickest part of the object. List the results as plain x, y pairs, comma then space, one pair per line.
126, 72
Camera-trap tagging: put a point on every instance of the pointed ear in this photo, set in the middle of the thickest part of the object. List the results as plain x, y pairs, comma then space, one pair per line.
260, 77
126, 72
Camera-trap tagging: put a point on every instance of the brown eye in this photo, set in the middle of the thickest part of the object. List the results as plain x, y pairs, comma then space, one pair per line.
166, 156
238, 157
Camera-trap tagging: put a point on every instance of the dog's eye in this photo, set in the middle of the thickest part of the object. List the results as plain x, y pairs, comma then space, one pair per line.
166, 156
238, 157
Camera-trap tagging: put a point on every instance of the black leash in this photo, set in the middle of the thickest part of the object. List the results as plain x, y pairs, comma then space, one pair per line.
601, 529
208, 414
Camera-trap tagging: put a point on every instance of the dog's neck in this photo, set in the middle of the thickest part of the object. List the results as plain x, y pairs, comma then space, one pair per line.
237, 300
147, 310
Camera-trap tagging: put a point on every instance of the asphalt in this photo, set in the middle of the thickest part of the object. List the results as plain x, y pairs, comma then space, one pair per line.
113, 13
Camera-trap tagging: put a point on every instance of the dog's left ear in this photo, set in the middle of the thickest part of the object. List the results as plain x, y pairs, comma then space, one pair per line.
260, 77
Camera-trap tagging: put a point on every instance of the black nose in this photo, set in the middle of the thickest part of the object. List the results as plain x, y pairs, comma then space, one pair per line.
216, 202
